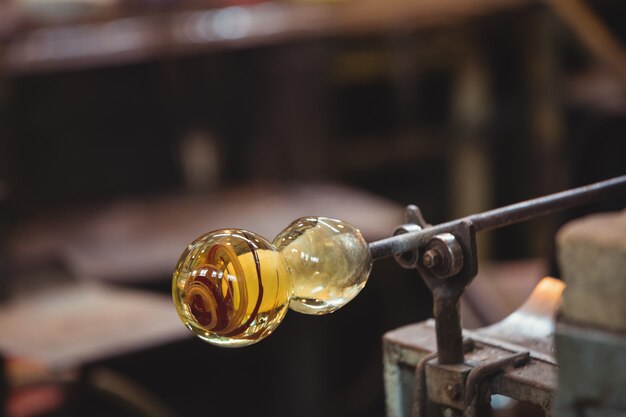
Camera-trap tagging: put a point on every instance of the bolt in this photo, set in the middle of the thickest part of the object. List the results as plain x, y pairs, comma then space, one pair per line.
454, 391
431, 258
443, 256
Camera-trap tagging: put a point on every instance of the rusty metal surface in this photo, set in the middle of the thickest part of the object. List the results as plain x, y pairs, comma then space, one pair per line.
452, 263
478, 387
515, 357
440, 383
535, 382
448, 329
505, 358
447, 294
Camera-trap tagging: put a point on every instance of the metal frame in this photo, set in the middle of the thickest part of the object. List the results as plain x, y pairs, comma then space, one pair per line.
445, 257
490, 366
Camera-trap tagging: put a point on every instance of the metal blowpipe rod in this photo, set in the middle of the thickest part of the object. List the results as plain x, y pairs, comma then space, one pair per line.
505, 216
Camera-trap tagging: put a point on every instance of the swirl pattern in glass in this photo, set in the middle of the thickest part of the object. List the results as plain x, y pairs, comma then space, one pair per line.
231, 287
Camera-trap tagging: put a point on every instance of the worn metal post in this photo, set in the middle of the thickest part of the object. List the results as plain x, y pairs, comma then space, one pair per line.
448, 329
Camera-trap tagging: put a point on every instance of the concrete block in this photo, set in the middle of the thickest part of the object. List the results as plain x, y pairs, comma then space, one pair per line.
592, 256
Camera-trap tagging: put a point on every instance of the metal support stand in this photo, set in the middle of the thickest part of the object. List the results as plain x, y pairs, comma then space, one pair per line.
445, 257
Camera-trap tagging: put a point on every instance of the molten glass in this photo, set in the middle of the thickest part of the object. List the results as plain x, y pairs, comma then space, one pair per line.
232, 287
329, 262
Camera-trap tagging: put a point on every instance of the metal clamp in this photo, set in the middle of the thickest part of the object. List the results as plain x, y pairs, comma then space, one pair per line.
462, 388
475, 387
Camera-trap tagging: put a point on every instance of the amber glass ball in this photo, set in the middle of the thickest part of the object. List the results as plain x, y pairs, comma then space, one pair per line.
231, 287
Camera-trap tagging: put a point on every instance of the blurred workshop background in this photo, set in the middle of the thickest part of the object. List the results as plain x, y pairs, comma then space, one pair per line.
129, 127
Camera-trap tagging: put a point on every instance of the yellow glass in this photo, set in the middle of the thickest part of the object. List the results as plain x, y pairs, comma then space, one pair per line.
231, 287
329, 262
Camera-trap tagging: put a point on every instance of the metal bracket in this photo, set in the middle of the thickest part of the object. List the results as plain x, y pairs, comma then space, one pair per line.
445, 257
462, 388
476, 390
447, 261
414, 222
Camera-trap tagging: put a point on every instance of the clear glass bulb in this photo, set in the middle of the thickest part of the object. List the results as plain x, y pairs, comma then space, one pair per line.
329, 262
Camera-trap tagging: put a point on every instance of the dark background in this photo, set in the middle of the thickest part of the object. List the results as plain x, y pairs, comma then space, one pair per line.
376, 110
